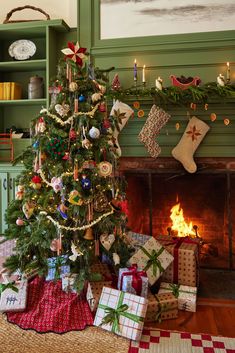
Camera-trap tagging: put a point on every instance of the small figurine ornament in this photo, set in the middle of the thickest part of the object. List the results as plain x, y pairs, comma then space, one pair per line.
158, 84
221, 80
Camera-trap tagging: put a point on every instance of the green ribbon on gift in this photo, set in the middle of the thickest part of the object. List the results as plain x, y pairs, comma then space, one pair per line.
175, 290
113, 315
162, 308
10, 285
153, 260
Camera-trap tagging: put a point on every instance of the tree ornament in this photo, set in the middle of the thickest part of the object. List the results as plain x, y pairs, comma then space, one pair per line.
116, 259
86, 183
36, 182
75, 198
116, 85
191, 139
226, 121
40, 126
102, 107
102, 88
54, 91
96, 97
86, 143
75, 251
56, 147
72, 134
89, 164
20, 222
177, 126
82, 98
73, 86
62, 110
36, 144
157, 118
107, 240
94, 133
75, 53
88, 234
100, 202
55, 244
66, 156
62, 210
57, 184
28, 209
106, 123
20, 192
105, 169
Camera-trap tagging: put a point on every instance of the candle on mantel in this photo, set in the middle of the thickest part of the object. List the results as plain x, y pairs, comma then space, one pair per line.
228, 72
143, 74
135, 70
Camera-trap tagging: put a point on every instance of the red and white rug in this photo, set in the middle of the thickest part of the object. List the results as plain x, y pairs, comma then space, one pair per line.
160, 341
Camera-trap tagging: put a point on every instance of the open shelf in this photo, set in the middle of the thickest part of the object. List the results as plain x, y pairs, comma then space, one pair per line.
42, 101
26, 65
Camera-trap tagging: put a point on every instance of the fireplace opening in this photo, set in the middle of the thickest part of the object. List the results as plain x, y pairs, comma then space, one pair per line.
207, 201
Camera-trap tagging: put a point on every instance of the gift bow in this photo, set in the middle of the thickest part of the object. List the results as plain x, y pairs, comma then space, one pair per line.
153, 260
175, 289
136, 278
113, 315
162, 308
10, 285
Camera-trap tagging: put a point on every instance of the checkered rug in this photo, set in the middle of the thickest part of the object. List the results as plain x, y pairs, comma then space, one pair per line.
160, 341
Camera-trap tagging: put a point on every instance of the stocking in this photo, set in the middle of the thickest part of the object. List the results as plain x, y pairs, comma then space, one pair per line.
124, 112
191, 139
157, 118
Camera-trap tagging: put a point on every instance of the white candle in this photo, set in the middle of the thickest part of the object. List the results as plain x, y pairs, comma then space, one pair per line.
143, 74
228, 71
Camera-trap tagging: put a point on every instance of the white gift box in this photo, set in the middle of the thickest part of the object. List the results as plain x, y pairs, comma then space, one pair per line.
131, 321
186, 295
125, 281
14, 301
68, 281
152, 258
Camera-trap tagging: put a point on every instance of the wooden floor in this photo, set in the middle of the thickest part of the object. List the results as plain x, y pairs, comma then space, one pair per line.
213, 316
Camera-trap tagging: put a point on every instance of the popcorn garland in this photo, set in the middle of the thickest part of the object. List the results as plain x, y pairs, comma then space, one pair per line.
74, 229
70, 119
42, 175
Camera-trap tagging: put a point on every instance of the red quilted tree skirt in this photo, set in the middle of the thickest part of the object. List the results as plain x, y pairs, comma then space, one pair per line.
49, 309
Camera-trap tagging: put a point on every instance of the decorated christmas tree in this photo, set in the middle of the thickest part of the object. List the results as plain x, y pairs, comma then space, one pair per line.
70, 205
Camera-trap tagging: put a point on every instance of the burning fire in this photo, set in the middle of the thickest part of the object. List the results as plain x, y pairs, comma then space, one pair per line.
177, 216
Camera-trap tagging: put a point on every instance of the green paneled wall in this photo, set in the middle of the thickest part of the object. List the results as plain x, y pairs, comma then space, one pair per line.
196, 54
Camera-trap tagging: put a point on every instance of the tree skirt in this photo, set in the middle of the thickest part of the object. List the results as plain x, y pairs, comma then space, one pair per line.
160, 341
49, 309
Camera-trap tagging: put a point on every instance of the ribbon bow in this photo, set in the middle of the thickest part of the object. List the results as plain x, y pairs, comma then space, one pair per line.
153, 260
136, 278
113, 315
175, 289
10, 285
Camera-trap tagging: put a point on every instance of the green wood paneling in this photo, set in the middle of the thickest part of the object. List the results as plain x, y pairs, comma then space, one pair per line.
191, 54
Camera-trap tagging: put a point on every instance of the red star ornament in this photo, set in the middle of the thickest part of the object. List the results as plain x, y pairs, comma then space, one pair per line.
75, 53
193, 133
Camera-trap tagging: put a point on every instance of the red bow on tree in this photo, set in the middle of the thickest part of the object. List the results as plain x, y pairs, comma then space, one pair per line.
75, 53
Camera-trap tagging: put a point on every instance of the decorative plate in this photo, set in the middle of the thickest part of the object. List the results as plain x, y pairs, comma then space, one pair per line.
22, 49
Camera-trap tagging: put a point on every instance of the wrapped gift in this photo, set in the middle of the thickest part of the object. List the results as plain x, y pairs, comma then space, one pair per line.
133, 281
103, 270
185, 267
137, 239
161, 307
187, 296
13, 296
121, 313
152, 258
68, 281
94, 290
57, 267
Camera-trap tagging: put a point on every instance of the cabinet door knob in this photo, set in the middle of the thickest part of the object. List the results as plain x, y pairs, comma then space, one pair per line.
5, 183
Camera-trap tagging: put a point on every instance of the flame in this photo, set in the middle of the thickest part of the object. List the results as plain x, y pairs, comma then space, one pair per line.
177, 216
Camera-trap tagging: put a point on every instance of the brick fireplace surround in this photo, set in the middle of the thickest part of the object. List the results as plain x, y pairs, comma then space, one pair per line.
207, 198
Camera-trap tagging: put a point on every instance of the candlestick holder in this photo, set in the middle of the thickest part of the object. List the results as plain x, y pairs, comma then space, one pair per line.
143, 85
228, 81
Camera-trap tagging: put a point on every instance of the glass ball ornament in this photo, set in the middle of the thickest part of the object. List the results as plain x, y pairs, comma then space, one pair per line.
94, 133
20, 221
36, 144
86, 183
81, 98
73, 86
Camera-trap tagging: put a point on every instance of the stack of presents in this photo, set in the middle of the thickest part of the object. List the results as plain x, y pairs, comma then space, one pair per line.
161, 278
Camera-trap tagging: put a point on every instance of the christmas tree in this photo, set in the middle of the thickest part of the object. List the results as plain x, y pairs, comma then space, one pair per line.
70, 205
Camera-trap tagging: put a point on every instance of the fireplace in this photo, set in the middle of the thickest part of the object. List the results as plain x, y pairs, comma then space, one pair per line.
207, 199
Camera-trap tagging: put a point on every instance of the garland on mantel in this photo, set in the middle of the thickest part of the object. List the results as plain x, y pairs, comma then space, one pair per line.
174, 95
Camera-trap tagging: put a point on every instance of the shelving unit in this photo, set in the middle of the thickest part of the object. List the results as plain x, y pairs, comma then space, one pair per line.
45, 35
